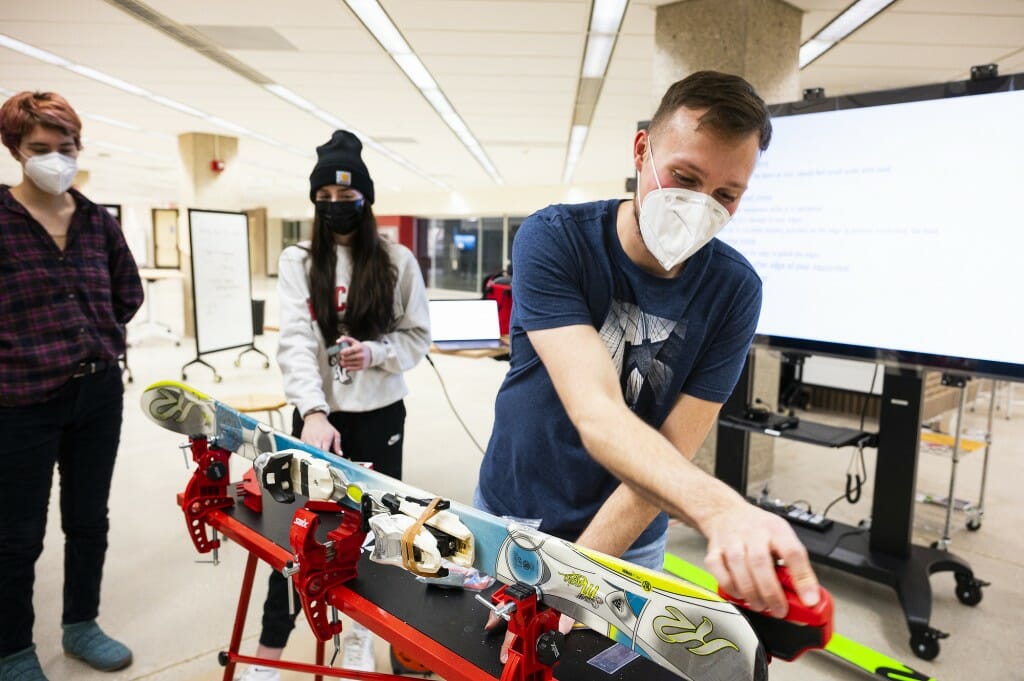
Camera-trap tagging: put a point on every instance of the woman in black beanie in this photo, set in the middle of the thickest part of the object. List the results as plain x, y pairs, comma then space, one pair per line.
348, 288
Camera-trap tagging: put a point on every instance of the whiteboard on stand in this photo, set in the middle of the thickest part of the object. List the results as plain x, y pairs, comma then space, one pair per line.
221, 284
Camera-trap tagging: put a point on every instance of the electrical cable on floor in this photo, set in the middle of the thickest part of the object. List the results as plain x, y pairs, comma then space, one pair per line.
451, 404
844, 535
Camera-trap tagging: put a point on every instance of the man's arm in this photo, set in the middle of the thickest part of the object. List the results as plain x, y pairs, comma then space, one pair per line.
743, 541
625, 514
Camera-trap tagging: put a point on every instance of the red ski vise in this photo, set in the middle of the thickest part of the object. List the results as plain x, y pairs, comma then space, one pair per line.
802, 629
322, 567
207, 491
537, 644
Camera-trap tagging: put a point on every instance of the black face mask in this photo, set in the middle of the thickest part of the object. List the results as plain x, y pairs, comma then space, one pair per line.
341, 217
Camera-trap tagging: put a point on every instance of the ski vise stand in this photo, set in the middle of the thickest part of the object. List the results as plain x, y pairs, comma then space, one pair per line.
207, 491
317, 570
537, 644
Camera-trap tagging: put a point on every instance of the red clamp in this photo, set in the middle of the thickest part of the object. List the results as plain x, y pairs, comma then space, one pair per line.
537, 644
324, 566
207, 491
802, 629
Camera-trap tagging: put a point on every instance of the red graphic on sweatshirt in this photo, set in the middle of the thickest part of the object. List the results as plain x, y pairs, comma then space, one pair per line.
340, 298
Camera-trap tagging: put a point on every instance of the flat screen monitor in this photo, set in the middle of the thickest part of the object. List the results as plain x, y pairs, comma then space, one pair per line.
464, 241
887, 226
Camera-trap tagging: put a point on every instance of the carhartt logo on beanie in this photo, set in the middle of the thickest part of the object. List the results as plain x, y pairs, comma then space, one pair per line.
339, 161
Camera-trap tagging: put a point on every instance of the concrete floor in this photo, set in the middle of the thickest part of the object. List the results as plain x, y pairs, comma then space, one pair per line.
176, 612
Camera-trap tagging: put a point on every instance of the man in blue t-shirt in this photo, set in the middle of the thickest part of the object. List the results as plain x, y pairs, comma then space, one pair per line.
630, 326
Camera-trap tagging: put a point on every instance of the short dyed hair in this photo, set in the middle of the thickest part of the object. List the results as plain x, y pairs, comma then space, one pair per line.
733, 106
21, 113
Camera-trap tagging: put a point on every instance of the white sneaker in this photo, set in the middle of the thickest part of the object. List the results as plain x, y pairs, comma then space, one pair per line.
357, 648
258, 673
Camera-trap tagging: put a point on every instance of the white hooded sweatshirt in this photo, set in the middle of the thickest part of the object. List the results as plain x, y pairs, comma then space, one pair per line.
309, 381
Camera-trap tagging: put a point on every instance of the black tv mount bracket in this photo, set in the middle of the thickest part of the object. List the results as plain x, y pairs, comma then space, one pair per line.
984, 72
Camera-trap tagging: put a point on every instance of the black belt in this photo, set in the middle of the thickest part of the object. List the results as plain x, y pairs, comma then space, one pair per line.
91, 367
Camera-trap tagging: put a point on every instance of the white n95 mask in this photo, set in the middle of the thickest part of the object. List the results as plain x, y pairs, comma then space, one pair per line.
53, 172
675, 223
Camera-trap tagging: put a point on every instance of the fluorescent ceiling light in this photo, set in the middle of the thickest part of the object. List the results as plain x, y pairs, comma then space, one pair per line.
577, 137
855, 16
416, 71
107, 79
813, 49
112, 121
439, 102
234, 127
330, 119
178, 106
456, 123
605, 22
34, 52
115, 147
377, 22
606, 16
599, 51
380, 25
266, 140
289, 96
130, 88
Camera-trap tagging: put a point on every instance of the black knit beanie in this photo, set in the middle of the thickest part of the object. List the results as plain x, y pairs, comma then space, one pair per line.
339, 162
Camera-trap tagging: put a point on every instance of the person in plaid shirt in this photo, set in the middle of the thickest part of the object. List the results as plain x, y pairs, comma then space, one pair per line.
69, 285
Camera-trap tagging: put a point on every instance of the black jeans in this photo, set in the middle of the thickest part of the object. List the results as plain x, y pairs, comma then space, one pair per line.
376, 436
79, 430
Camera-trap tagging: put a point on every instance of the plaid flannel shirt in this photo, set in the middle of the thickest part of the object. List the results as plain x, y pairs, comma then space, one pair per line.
60, 308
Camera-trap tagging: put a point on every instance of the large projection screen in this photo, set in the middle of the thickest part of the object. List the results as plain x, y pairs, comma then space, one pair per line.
892, 232
221, 287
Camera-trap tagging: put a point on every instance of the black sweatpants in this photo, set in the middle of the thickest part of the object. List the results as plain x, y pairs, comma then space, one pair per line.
375, 436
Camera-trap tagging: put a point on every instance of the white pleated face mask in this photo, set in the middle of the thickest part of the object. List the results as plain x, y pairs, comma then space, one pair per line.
675, 223
53, 172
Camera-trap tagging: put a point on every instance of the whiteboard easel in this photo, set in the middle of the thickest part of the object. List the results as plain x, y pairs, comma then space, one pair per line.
221, 285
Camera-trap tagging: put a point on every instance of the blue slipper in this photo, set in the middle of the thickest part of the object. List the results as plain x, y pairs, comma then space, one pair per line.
21, 666
86, 641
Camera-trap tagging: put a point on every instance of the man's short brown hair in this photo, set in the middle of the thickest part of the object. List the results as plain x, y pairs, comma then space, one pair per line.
733, 106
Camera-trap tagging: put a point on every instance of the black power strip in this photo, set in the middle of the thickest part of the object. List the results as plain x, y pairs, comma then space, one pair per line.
796, 515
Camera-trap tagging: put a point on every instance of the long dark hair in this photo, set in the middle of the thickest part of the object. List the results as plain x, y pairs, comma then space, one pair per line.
369, 308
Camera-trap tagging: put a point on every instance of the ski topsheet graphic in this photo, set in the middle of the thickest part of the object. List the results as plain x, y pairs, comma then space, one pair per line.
683, 627
848, 650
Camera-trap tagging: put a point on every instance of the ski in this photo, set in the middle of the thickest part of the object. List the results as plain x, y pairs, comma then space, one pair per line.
848, 650
683, 627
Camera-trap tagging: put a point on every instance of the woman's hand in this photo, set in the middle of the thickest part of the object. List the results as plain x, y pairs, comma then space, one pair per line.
356, 357
318, 431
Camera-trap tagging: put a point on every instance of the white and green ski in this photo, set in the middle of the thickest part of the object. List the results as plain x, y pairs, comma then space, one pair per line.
871, 661
679, 625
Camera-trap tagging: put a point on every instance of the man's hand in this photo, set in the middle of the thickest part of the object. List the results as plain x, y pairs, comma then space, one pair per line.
318, 431
744, 543
356, 357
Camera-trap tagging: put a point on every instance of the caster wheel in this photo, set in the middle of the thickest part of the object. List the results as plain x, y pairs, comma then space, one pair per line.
973, 524
968, 591
266, 365
177, 344
924, 646
184, 377
238, 362
217, 379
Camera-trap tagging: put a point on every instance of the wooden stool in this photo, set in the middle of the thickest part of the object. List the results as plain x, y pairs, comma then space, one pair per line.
271, 403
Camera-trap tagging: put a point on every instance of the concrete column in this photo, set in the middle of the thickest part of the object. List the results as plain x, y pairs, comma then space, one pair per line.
201, 185
756, 39
759, 40
81, 181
